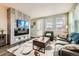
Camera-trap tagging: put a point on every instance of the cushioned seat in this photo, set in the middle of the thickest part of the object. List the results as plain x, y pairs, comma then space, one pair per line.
61, 42
69, 50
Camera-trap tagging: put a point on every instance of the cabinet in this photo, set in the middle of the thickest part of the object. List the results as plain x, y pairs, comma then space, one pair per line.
2, 39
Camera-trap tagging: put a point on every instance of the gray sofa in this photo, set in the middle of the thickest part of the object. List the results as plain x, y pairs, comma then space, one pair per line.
65, 52
69, 51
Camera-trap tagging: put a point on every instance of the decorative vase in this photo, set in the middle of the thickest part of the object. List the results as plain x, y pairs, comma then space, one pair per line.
2, 31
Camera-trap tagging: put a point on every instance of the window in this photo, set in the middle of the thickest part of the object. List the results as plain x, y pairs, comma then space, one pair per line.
49, 24
59, 23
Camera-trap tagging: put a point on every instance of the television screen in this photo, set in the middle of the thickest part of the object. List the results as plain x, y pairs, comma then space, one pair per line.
22, 27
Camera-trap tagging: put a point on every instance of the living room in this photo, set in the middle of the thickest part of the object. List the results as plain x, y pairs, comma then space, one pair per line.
39, 29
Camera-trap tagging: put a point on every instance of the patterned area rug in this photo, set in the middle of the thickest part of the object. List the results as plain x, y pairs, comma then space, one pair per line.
25, 49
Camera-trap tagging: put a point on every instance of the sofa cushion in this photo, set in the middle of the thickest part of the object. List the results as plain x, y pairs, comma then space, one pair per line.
71, 47
74, 37
72, 34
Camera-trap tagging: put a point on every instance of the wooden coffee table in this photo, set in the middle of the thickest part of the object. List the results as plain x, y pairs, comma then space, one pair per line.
41, 43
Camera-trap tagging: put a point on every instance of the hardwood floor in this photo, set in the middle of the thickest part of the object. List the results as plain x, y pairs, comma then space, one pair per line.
4, 52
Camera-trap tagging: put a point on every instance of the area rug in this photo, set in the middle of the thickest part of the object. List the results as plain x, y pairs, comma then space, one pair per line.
25, 49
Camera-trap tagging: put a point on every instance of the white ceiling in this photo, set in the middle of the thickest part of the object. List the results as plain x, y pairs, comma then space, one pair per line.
35, 10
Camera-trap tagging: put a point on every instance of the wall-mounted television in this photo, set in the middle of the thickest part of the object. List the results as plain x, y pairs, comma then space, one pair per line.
22, 27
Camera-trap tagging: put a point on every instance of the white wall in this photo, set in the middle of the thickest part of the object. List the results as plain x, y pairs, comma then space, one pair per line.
3, 19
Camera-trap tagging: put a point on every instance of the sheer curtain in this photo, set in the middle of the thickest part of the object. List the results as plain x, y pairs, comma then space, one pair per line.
71, 22
49, 24
76, 15
40, 27
44, 24
61, 22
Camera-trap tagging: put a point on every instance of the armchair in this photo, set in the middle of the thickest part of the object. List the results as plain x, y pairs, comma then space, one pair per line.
49, 34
